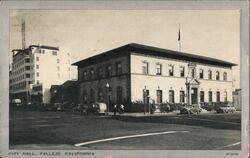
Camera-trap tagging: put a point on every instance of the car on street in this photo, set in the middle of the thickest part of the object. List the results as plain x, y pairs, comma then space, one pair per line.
48, 107
58, 106
96, 108
16, 102
190, 110
226, 109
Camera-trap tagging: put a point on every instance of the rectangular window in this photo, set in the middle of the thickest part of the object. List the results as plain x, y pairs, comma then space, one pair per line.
37, 66
192, 72
224, 76
217, 75
202, 96
218, 96
201, 73
210, 74
159, 96
225, 96
210, 96
37, 58
182, 71
182, 96
37, 74
100, 94
58, 60
27, 75
54, 52
145, 93
119, 94
27, 60
158, 69
171, 96
109, 71
118, 68
27, 67
92, 95
170, 70
145, 68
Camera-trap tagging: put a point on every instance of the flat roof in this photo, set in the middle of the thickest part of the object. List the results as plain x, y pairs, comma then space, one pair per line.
153, 51
29, 48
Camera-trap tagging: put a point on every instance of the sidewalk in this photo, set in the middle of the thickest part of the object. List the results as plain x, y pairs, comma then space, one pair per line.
145, 115
173, 113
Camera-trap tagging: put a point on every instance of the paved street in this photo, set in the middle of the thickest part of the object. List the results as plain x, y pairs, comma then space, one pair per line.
64, 130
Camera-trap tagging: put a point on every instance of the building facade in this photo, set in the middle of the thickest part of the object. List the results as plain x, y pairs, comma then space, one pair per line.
65, 93
35, 69
139, 73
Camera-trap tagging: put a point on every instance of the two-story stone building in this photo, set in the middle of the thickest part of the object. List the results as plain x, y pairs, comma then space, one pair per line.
137, 73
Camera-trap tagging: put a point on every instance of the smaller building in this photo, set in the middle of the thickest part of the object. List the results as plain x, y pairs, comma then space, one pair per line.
65, 93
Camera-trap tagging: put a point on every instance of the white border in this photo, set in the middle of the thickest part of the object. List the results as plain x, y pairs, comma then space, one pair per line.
150, 5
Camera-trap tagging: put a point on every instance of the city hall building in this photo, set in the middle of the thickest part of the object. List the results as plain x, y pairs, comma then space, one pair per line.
140, 73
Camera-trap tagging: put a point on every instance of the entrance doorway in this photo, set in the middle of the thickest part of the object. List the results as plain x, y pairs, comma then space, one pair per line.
194, 96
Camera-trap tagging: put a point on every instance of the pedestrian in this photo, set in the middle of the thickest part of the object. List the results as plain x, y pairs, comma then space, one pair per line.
115, 109
81, 108
152, 108
122, 108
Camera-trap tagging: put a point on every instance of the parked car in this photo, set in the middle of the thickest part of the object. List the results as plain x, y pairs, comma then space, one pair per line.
16, 102
80, 108
48, 107
58, 106
190, 110
226, 109
96, 108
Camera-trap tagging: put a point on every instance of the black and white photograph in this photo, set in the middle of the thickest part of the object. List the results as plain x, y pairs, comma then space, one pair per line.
125, 80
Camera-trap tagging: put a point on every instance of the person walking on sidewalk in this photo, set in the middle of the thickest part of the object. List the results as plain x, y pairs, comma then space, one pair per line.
115, 109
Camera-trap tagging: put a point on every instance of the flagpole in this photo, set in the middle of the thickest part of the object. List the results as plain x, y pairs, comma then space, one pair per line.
179, 37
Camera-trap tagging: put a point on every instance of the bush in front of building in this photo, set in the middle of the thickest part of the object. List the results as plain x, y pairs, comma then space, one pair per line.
138, 106
213, 106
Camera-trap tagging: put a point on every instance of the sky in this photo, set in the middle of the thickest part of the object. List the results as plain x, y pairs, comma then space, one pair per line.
208, 33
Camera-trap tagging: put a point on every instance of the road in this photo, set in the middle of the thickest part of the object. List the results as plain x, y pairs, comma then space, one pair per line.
64, 130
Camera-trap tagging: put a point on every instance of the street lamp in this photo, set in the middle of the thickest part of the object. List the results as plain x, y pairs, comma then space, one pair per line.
107, 96
144, 94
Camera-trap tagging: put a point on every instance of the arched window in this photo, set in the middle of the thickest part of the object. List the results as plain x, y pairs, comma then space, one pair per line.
85, 97
92, 95
210, 74
217, 75
201, 73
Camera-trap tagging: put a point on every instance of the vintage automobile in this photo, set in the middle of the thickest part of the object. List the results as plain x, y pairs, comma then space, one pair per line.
16, 102
191, 110
96, 108
226, 109
58, 106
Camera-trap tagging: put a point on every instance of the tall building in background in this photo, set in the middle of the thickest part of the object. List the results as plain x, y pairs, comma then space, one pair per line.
35, 69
